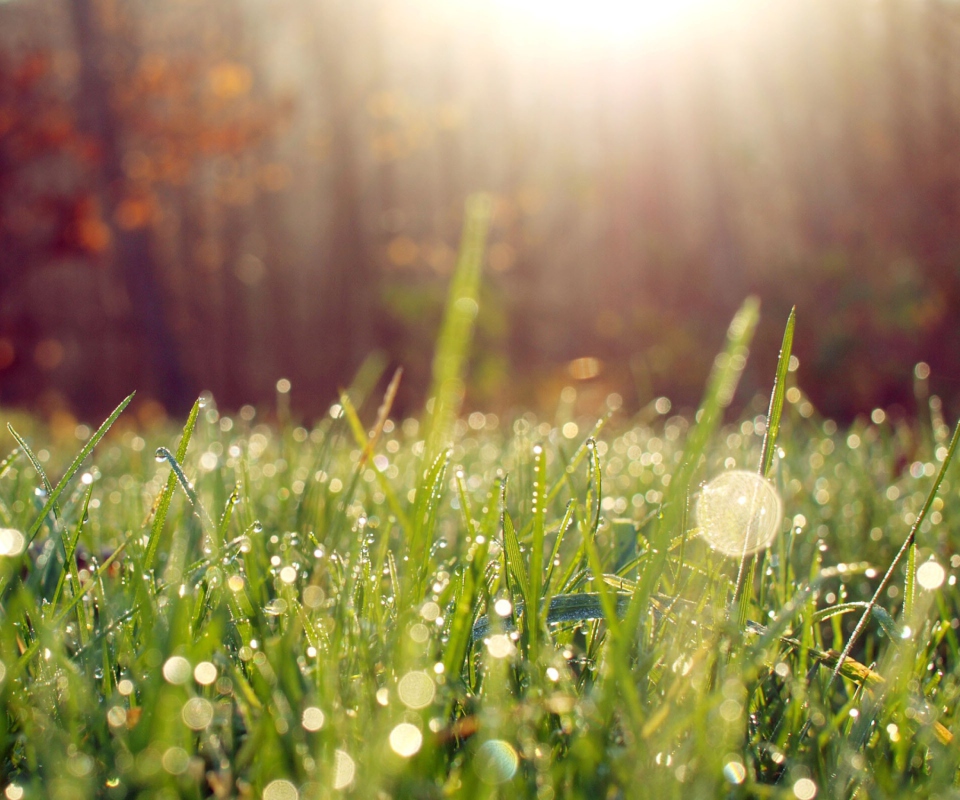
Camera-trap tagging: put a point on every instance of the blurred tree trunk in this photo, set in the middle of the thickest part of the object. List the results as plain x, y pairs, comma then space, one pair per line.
132, 246
349, 283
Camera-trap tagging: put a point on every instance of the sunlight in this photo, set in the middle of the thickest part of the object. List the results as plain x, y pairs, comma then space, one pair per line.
613, 22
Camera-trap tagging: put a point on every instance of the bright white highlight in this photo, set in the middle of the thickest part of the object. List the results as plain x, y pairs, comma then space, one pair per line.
613, 21
739, 512
344, 769
12, 542
406, 740
930, 575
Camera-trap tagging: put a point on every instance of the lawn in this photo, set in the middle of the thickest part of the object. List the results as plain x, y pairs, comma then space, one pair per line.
465, 605
529, 608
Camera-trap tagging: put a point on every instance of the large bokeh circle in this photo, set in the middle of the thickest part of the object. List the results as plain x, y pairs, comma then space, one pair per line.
739, 512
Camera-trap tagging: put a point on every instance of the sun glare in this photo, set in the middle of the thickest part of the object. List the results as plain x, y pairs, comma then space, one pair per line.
611, 22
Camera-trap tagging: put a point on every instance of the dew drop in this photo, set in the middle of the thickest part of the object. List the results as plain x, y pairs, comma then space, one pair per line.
275, 607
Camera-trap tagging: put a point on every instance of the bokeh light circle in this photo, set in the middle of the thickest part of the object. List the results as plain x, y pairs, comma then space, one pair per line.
12, 542
344, 768
280, 790
930, 575
197, 713
312, 718
406, 739
177, 670
739, 512
416, 690
496, 762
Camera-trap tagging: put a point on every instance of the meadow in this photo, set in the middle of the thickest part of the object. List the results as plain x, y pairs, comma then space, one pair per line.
271, 610
463, 605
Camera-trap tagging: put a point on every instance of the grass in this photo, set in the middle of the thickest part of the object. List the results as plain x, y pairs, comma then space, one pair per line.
479, 607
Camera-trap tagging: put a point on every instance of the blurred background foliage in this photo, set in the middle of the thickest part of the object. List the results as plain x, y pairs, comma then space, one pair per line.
214, 195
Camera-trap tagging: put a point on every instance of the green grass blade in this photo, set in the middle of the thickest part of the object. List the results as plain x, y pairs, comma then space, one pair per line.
166, 494
743, 590
910, 583
188, 488
427, 499
578, 456
513, 558
456, 333
70, 566
905, 547
360, 437
723, 382
565, 524
538, 513
12, 456
72, 470
37, 466
775, 411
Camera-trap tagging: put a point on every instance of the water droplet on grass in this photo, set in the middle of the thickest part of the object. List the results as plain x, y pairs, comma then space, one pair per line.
275, 607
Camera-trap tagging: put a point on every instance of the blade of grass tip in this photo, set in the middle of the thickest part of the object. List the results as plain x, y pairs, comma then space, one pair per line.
37, 466
367, 377
71, 471
353, 420
166, 455
565, 525
224, 525
884, 582
456, 333
727, 369
774, 415
424, 515
578, 456
775, 411
382, 414
466, 508
589, 447
166, 494
360, 437
8, 461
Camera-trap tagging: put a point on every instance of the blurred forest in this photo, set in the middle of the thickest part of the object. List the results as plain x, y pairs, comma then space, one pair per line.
216, 194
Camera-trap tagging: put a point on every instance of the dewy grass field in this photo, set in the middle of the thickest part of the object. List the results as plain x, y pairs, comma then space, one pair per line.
480, 607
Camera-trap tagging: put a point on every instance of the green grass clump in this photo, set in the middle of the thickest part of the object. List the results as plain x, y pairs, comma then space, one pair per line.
277, 611
479, 607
